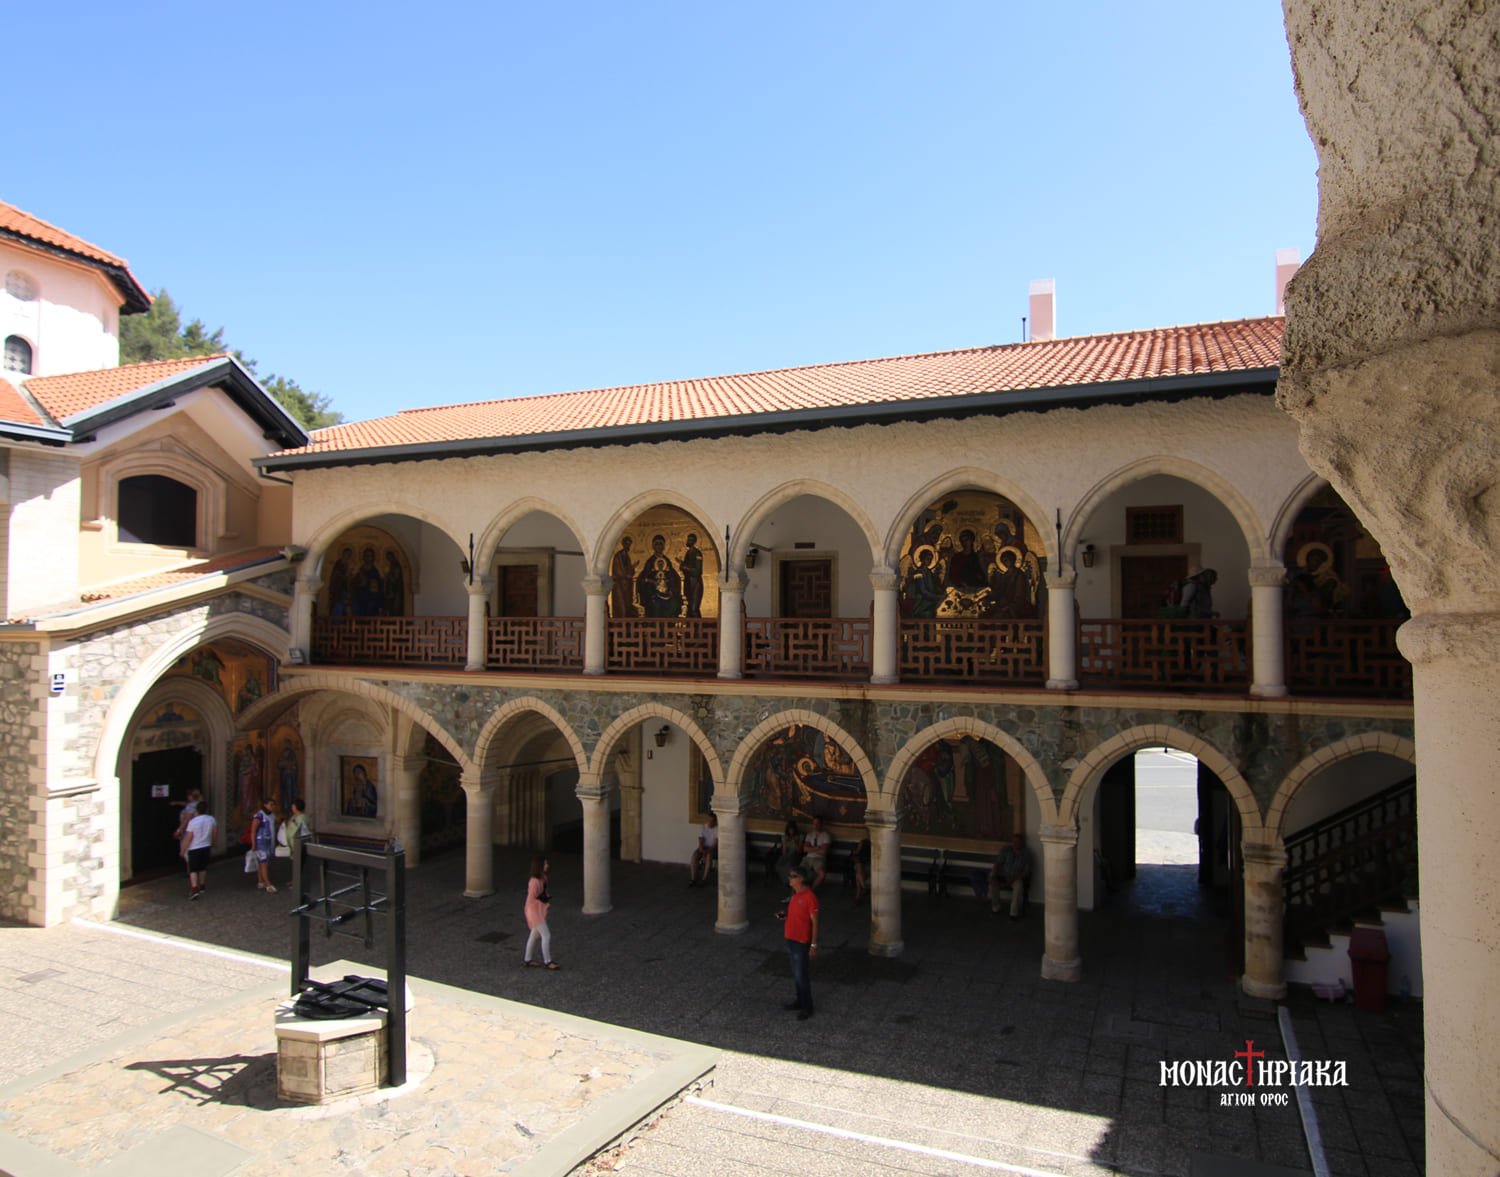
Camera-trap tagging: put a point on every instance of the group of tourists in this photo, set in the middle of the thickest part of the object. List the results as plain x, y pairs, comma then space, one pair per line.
265, 837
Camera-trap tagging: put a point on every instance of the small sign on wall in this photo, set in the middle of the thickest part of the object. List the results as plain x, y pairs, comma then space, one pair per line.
59, 682
162, 791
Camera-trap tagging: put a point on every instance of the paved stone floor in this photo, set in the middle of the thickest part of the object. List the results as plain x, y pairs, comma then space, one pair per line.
953, 1058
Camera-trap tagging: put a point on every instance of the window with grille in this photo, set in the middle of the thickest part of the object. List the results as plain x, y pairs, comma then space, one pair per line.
1153, 525
17, 355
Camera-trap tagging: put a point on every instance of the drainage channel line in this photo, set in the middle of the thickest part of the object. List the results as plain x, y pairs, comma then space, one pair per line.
185, 945
1310, 1130
865, 1138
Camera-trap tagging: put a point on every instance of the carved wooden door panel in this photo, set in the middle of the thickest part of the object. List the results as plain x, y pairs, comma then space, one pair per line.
518, 590
807, 588
1144, 581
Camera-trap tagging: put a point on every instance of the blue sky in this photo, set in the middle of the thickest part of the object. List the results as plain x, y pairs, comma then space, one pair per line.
402, 205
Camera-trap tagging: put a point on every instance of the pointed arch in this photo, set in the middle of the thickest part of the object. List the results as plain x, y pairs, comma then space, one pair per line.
323, 538
965, 725
489, 541
785, 493
966, 478
599, 763
1281, 526
1083, 781
609, 534
769, 726
1221, 488
1387, 742
514, 711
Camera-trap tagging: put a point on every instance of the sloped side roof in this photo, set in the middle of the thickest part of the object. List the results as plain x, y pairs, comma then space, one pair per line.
1245, 345
19, 223
77, 392
14, 407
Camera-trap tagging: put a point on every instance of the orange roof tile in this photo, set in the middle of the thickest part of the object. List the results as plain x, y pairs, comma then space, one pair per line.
1243, 345
13, 407
67, 396
23, 224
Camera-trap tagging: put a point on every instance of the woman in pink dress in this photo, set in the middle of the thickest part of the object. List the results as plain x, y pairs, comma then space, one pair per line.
537, 903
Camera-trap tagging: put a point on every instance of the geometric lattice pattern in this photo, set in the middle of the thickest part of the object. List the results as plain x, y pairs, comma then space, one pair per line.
808, 647
967, 649
390, 641
657, 645
534, 643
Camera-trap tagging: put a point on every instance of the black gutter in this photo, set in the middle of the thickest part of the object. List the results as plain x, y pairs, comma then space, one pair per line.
137, 301
1153, 389
46, 434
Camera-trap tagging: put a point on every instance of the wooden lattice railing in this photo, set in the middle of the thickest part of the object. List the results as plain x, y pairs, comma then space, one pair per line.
808, 647
391, 641
1199, 655
664, 645
1345, 657
533, 643
959, 649
1351, 862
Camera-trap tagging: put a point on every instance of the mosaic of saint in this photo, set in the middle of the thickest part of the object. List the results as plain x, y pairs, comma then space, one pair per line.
369, 576
247, 783
285, 766
1335, 568
663, 566
972, 554
359, 793
801, 773
240, 673
171, 725
962, 788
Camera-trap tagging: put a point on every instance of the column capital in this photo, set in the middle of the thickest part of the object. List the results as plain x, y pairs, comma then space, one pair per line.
1469, 639
475, 783
733, 581
596, 586
407, 763
1064, 578
728, 804
1059, 835
1267, 851
882, 819
1267, 574
884, 580
480, 585
593, 791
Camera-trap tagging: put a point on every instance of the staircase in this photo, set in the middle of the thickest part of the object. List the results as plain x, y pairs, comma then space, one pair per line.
1358, 865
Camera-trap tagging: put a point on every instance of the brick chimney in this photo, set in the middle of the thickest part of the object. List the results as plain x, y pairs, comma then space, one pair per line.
1044, 309
1288, 262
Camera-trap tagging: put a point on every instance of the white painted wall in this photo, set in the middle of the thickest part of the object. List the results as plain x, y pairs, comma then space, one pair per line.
539, 530
829, 528
72, 325
45, 491
668, 833
1342, 784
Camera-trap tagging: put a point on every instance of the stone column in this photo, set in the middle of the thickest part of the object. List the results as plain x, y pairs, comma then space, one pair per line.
733, 906
479, 595
406, 771
479, 830
628, 773
1268, 648
885, 883
732, 626
595, 624
1391, 366
1265, 862
1061, 961
885, 636
304, 593
595, 801
1062, 646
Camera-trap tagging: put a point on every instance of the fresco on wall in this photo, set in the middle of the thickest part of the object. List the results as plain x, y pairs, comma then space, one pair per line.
247, 759
359, 791
238, 672
664, 565
366, 574
801, 773
962, 787
972, 554
1335, 568
169, 725
287, 760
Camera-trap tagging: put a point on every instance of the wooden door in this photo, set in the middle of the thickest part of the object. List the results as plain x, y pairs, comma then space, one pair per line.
518, 590
807, 588
1144, 581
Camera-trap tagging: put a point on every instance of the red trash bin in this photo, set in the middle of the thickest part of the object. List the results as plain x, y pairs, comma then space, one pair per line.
1370, 958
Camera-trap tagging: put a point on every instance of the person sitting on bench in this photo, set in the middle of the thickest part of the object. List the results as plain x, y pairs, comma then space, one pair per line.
1012, 869
815, 849
708, 848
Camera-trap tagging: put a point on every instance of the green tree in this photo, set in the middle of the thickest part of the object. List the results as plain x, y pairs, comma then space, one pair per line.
160, 334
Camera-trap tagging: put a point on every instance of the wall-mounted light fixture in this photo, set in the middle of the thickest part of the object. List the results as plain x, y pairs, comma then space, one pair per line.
753, 553
661, 735
464, 566
1088, 555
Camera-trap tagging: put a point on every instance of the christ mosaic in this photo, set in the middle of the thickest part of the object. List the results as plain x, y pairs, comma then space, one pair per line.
664, 565
368, 575
972, 554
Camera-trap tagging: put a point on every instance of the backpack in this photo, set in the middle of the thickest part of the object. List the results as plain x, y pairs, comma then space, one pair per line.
1172, 604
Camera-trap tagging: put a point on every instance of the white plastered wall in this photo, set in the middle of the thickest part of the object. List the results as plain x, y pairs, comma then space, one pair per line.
668, 831
44, 503
73, 322
828, 528
538, 532
1343, 783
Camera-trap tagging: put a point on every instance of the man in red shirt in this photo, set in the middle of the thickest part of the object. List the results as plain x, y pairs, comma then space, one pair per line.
801, 941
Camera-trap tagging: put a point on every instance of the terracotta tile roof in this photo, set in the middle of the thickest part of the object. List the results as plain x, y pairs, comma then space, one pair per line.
217, 565
77, 392
13, 407
1243, 345
23, 224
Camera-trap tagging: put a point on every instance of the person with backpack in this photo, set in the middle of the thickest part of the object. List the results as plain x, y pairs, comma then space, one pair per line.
1198, 595
263, 843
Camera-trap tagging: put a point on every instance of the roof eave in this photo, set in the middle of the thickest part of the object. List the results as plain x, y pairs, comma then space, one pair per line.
45, 434
1163, 388
134, 298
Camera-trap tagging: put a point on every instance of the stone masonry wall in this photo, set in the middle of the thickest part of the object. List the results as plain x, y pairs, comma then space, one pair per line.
23, 693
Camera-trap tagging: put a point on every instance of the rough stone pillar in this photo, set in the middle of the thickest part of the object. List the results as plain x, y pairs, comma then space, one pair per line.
885, 636
1061, 961
479, 837
885, 883
1265, 863
1062, 646
595, 801
732, 626
407, 773
304, 593
1391, 367
734, 915
628, 773
595, 624
479, 595
1268, 643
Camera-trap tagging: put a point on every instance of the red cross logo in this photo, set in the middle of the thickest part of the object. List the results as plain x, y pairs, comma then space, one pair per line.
1249, 1054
